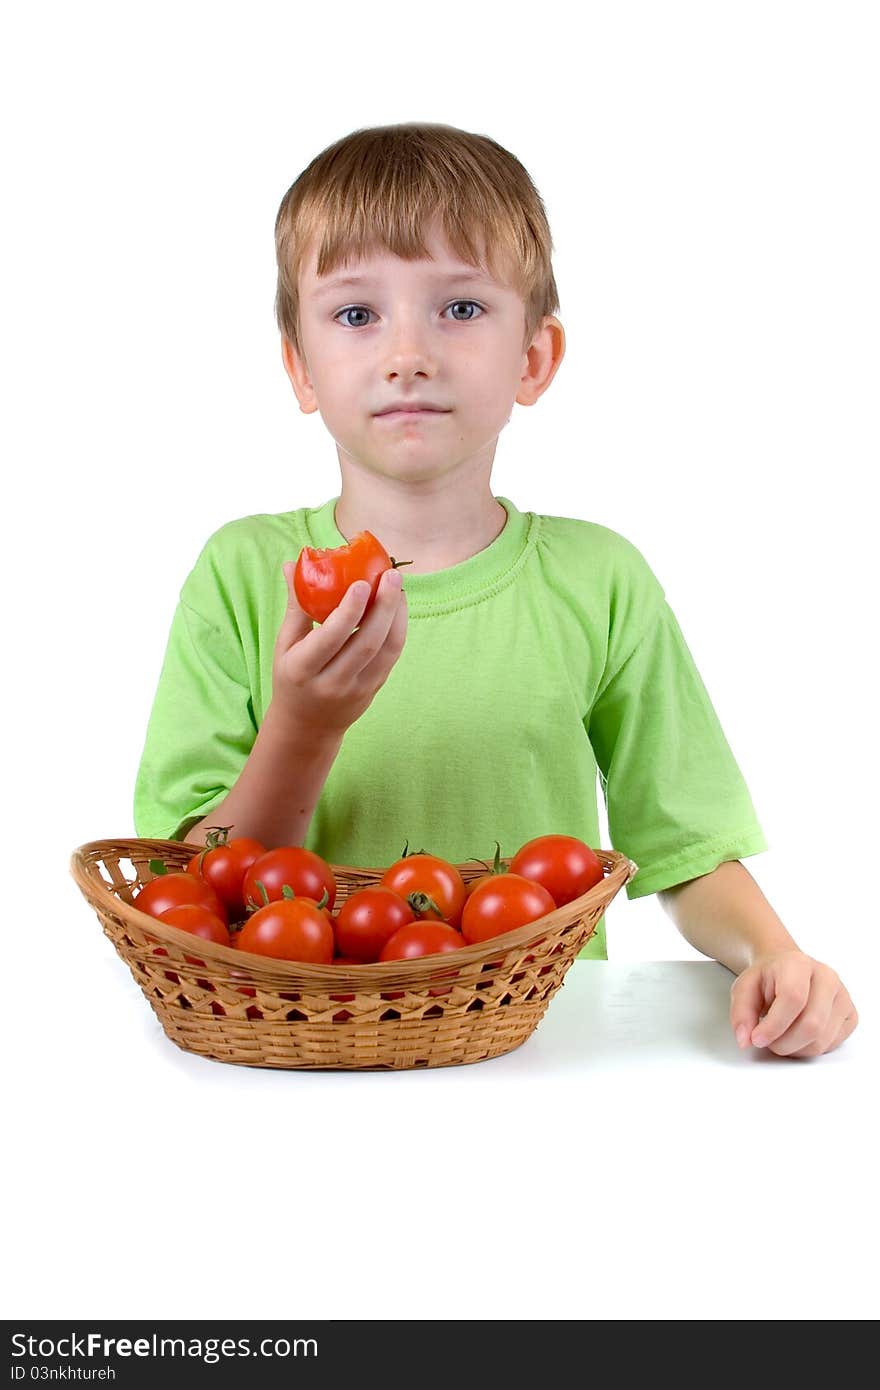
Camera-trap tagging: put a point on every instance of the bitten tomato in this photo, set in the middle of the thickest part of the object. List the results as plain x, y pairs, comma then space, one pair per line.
291, 929
432, 886
503, 902
306, 873
422, 939
171, 890
199, 920
223, 863
321, 577
564, 865
367, 919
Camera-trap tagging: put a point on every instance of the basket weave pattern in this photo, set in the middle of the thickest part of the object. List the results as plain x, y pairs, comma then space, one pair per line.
471, 1004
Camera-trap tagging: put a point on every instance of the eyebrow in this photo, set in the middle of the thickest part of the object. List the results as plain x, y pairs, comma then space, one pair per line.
446, 277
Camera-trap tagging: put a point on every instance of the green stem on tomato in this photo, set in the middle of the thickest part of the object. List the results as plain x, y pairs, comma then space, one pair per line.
421, 902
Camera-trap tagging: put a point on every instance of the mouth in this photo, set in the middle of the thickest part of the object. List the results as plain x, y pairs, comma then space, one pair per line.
409, 414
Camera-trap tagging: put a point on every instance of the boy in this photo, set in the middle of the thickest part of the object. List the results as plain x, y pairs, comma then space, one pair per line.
416, 303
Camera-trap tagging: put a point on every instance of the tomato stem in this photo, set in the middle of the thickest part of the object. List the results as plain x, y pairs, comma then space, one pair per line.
496, 865
216, 836
421, 902
407, 852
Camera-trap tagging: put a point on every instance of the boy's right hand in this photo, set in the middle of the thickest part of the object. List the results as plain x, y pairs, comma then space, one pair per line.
323, 678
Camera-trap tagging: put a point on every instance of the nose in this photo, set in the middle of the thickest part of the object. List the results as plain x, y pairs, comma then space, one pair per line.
407, 351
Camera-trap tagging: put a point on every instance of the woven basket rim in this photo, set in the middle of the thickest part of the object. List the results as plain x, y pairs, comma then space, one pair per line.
620, 870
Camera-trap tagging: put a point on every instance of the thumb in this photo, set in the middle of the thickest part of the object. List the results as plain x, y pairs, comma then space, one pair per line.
295, 624
746, 1004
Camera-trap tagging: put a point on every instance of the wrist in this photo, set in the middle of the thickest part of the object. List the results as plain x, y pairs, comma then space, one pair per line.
763, 951
295, 734
762, 936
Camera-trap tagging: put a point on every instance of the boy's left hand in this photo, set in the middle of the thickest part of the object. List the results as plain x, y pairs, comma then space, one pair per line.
805, 1005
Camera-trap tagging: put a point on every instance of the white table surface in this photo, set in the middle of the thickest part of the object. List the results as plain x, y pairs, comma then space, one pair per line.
626, 1162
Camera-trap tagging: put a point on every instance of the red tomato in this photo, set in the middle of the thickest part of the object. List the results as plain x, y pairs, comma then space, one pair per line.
432, 886
422, 939
325, 910
367, 919
198, 920
321, 577
224, 865
291, 929
247, 849
564, 865
305, 872
496, 868
475, 883
503, 902
171, 890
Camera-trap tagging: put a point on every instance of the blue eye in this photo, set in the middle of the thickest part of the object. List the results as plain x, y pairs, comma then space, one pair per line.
360, 308
472, 302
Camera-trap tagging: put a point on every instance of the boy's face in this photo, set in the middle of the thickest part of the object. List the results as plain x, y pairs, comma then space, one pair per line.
420, 333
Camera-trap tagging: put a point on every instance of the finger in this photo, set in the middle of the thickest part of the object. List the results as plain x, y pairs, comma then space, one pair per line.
376, 671
815, 1023
843, 1020
295, 623
363, 646
849, 1025
746, 1002
318, 648
789, 998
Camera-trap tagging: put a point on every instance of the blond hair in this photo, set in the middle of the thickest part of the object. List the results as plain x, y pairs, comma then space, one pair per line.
382, 186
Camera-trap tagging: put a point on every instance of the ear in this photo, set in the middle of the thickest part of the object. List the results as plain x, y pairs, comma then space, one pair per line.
297, 370
542, 359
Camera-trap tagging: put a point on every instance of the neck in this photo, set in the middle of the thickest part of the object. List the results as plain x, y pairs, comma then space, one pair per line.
431, 524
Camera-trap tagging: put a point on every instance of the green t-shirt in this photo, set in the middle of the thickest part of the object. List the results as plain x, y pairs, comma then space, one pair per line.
547, 657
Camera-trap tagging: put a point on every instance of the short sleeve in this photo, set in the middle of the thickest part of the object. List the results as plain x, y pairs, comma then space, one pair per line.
677, 802
200, 731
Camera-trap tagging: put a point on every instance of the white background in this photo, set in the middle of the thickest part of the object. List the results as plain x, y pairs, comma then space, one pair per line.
709, 173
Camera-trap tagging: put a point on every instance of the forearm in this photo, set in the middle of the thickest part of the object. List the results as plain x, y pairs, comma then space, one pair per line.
725, 916
275, 796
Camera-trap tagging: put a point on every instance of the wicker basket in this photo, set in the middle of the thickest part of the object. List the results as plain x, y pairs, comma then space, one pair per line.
477, 1002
